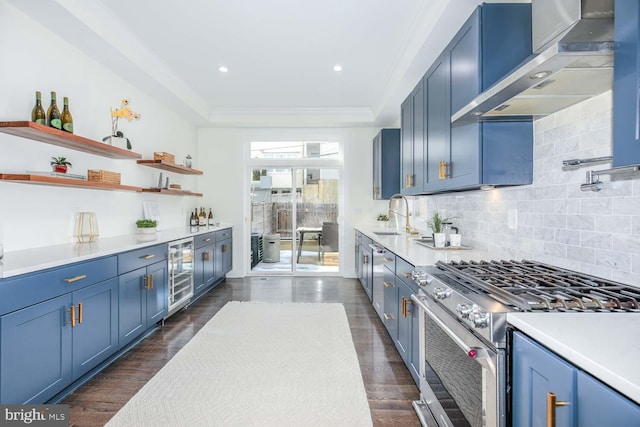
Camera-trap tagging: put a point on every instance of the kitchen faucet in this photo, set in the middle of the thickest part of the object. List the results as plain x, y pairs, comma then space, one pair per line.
407, 225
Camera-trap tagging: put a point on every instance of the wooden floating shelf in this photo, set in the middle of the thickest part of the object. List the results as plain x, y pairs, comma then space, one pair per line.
65, 182
37, 132
169, 166
171, 191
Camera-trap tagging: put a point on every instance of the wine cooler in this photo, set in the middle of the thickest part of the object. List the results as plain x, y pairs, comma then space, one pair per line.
180, 274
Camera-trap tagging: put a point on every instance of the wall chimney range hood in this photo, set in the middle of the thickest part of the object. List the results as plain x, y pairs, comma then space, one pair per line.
573, 48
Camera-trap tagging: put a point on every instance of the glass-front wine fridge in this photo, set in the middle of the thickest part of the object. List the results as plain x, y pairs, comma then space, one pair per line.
180, 274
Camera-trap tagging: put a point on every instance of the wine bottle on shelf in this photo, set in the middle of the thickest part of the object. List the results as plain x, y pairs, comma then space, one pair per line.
210, 218
67, 119
37, 114
54, 118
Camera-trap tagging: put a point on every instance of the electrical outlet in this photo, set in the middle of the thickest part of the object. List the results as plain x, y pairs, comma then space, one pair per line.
512, 219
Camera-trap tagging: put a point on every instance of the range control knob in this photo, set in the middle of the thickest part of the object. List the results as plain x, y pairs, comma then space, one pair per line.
441, 293
464, 310
479, 317
422, 278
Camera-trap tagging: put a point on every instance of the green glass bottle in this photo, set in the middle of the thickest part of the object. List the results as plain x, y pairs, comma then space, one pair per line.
54, 118
37, 114
67, 119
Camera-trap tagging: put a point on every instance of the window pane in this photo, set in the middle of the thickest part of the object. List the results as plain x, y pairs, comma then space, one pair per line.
294, 150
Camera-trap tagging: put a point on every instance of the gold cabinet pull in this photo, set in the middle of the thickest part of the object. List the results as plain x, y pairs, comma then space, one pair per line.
151, 276
75, 279
443, 170
205, 256
72, 310
406, 275
404, 307
388, 285
552, 403
148, 256
407, 311
147, 282
80, 312
376, 190
388, 259
225, 248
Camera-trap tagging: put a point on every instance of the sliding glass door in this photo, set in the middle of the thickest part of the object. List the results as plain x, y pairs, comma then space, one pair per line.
294, 213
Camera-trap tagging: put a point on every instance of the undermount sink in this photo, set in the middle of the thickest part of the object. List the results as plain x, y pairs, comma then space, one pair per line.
386, 233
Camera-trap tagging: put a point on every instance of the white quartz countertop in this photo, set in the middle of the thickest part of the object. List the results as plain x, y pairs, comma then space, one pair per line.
407, 248
30, 260
605, 345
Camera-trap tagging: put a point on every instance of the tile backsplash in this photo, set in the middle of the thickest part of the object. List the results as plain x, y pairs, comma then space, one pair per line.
552, 220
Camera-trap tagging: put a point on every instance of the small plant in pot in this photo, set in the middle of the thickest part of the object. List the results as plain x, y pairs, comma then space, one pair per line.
146, 226
436, 222
60, 164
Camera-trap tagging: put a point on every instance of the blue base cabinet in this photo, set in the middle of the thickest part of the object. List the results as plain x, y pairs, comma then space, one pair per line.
35, 358
537, 372
203, 263
407, 337
143, 300
42, 352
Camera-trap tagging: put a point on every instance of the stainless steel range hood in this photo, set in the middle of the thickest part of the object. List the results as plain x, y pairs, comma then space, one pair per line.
573, 60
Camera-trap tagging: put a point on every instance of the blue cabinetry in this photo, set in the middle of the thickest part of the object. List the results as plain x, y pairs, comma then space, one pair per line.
442, 157
386, 164
366, 267
143, 295
51, 342
406, 339
626, 86
203, 264
223, 254
537, 372
412, 165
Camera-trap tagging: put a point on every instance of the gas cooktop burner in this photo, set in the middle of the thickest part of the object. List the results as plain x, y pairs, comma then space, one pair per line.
529, 285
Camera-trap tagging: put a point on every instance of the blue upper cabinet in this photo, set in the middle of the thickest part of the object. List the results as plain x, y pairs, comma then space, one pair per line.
626, 86
412, 153
437, 156
386, 164
493, 41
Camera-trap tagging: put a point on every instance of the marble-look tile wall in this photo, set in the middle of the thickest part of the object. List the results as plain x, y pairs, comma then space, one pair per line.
557, 223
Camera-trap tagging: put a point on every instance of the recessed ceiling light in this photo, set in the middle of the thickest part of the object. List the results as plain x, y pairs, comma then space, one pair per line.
223, 69
337, 68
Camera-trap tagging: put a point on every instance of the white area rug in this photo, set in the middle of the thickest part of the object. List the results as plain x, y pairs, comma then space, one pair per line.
258, 364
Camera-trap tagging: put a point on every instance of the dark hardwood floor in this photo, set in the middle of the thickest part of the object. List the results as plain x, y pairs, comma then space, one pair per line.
390, 388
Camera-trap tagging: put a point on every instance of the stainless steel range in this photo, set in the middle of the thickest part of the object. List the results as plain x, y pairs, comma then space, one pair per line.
463, 329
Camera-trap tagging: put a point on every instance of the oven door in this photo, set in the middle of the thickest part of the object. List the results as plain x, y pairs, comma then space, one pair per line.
462, 379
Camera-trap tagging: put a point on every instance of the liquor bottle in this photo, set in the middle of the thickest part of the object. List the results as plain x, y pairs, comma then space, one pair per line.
210, 218
53, 114
37, 114
67, 120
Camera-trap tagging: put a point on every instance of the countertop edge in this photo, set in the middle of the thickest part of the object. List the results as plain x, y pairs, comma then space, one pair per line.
27, 261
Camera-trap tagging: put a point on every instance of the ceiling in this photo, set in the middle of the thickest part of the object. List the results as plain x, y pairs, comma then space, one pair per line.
280, 54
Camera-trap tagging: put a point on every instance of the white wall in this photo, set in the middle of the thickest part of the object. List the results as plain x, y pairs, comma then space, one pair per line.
597, 233
223, 153
34, 58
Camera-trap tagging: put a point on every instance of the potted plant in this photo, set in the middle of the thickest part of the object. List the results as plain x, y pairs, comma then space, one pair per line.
146, 226
123, 112
60, 164
439, 237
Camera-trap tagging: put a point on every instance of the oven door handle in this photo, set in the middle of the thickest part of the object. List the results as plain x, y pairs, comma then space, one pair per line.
473, 352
